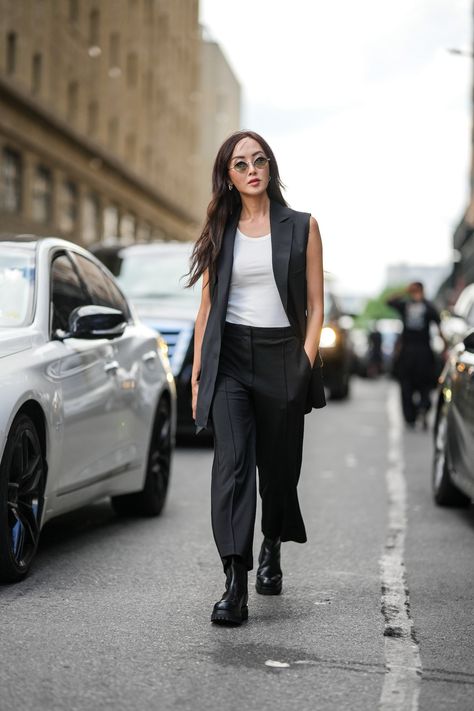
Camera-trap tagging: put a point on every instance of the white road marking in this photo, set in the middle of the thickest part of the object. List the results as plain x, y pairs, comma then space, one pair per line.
401, 686
276, 665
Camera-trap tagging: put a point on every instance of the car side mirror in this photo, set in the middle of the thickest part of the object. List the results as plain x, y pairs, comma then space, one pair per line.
469, 341
96, 322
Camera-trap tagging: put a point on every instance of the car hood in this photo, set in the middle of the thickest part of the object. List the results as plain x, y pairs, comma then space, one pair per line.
14, 340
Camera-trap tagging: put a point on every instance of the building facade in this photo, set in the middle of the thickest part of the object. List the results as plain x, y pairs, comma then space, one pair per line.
219, 102
463, 238
100, 118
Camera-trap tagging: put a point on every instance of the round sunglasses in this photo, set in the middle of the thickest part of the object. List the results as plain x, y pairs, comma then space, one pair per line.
242, 166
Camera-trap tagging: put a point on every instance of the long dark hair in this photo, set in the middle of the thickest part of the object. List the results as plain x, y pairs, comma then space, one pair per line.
225, 203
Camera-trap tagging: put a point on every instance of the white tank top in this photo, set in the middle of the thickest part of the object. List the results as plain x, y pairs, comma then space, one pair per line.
254, 299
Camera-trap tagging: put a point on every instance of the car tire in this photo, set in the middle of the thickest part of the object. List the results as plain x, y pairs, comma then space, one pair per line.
22, 482
151, 499
445, 492
342, 389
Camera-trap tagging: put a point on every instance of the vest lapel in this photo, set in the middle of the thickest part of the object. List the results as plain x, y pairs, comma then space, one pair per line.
282, 235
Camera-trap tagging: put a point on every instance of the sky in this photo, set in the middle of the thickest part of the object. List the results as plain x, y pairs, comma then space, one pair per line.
369, 117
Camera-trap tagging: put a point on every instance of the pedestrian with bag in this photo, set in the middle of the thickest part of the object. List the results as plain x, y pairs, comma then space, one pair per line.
256, 369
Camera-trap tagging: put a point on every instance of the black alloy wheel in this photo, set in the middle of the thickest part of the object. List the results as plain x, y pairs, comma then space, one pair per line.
151, 499
445, 492
22, 482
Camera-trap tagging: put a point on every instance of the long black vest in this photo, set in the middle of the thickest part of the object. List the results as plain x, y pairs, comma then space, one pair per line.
289, 230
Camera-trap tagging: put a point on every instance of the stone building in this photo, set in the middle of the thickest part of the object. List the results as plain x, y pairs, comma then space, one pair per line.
219, 100
100, 120
463, 238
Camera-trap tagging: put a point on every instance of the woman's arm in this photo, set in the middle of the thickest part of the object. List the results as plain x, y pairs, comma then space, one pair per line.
199, 328
315, 290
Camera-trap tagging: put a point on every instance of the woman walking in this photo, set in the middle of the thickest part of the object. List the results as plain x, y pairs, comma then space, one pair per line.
256, 367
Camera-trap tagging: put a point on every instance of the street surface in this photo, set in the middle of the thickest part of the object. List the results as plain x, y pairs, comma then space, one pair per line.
115, 614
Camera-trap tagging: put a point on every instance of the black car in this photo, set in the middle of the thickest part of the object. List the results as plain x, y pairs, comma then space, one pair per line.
153, 277
453, 462
336, 346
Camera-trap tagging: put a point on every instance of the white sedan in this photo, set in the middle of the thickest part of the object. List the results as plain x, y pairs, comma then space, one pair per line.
88, 402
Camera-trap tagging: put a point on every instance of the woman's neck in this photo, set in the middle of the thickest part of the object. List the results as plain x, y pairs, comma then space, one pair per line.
254, 207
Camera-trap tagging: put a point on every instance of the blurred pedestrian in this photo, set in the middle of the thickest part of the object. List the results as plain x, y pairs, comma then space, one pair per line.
414, 364
375, 360
256, 367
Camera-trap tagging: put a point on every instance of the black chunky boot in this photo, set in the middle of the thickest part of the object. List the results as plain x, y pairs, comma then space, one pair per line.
232, 607
269, 575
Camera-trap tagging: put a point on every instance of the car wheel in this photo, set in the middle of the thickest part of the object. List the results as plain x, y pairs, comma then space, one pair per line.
151, 499
445, 493
22, 481
341, 390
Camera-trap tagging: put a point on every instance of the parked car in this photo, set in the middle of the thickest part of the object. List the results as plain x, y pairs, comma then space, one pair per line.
336, 346
88, 398
453, 461
455, 324
153, 278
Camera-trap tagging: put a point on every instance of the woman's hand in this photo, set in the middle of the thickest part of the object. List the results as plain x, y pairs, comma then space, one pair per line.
310, 353
194, 390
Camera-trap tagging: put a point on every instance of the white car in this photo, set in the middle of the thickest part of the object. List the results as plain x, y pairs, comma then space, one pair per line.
88, 402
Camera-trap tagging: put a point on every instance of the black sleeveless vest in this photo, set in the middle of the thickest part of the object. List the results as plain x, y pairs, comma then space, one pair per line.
289, 235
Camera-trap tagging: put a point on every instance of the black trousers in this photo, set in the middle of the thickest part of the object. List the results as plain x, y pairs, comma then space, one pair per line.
416, 369
258, 421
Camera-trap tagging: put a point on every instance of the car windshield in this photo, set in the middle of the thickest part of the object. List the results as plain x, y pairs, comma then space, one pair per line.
17, 281
156, 276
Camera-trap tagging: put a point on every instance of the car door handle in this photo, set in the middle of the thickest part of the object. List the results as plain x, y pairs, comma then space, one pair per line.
111, 367
149, 356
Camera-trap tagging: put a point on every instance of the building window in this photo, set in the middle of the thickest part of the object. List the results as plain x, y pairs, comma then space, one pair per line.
90, 219
113, 130
42, 195
92, 118
68, 211
10, 190
149, 12
148, 86
73, 10
94, 20
72, 100
144, 232
11, 53
147, 156
36, 68
132, 69
127, 228
114, 55
130, 148
111, 222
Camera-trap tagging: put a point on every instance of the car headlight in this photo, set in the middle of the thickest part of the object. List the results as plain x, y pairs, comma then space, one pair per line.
328, 337
162, 348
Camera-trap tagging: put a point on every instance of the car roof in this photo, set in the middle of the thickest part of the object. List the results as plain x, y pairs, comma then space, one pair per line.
37, 243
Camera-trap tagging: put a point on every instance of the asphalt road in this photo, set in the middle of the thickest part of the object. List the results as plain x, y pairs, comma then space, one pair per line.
115, 614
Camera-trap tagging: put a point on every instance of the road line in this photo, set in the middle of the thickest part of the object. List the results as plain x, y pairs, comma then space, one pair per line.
401, 685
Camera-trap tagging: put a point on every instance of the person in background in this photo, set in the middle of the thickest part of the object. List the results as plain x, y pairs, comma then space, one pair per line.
375, 364
415, 362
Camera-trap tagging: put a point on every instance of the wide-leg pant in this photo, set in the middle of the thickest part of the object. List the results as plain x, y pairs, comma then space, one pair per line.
258, 420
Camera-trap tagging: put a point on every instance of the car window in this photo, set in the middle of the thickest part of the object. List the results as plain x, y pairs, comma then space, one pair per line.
101, 287
17, 285
67, 292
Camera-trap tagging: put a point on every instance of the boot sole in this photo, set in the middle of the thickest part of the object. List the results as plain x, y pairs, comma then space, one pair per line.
267, 589
225, 618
